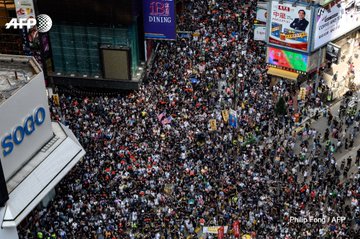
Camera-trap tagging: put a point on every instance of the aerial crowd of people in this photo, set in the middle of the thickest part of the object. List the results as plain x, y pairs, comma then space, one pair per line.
156, 168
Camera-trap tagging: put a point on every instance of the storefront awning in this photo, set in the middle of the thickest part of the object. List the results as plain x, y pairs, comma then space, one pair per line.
282, 73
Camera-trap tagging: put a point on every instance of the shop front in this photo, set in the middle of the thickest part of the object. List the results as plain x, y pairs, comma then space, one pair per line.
342, 55
336, 28
280, 73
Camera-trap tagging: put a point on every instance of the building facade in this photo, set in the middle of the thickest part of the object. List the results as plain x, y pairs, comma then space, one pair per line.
307, 41
72, 52
35, 152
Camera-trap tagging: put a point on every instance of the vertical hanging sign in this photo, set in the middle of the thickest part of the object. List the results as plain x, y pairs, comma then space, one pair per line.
25, 9
159, 19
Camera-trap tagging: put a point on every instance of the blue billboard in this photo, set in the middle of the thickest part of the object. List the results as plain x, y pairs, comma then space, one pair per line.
159, 19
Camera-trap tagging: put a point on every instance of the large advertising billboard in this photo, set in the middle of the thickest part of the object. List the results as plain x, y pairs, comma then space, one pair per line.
335, 21
290, 25
159, 19
301, 62
287, 59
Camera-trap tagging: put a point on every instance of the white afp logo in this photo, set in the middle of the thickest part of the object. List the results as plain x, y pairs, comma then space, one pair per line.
43, 21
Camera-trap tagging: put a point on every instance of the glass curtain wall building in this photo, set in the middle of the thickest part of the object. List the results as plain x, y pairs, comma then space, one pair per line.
78, 37
75, 49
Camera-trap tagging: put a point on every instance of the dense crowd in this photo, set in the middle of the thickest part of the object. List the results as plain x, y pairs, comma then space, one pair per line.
153, 169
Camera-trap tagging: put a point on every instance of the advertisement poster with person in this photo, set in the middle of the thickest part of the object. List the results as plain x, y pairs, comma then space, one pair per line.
290, 25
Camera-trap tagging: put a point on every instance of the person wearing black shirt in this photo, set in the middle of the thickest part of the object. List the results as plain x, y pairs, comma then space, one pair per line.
300, 23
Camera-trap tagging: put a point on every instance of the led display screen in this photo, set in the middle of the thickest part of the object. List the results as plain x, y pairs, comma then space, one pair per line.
287, 59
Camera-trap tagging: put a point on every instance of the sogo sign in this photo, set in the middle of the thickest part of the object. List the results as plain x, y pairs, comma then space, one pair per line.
20, 132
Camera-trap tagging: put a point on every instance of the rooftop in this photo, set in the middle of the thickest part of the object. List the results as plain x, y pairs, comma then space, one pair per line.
15, 72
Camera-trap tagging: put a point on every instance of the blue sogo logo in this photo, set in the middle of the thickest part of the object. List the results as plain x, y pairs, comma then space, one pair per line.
19, 132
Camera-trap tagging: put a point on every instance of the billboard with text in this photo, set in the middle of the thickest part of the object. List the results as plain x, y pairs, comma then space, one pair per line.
25, 125
334, 22
290, 26
159, 19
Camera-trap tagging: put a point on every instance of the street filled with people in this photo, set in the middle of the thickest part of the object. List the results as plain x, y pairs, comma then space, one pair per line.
155, 167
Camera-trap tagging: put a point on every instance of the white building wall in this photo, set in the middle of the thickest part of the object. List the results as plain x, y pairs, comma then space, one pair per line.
13, 113
7, 232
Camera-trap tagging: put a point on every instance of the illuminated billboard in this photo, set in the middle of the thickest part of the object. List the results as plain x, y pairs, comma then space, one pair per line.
335, 21
290, 26
159, 19
287, 59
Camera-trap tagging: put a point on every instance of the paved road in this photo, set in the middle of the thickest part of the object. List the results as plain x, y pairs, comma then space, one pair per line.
321, 124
